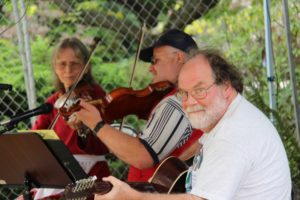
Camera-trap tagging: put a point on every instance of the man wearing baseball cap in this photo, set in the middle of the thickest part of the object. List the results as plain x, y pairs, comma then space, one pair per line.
168, 130
167, 55
173, 38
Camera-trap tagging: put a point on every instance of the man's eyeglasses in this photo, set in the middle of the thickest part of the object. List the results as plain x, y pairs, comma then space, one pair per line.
197, 93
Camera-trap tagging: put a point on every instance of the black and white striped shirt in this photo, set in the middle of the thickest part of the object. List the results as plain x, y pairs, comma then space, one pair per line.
167, 128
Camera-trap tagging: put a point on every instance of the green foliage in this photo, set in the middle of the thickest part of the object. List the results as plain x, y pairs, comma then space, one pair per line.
12, 65
117, 74
41, 61
110, 42
117, 166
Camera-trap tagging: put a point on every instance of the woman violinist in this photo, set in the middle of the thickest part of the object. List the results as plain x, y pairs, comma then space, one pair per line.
69, 58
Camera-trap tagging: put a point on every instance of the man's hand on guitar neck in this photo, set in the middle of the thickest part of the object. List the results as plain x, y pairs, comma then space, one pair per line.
120, 190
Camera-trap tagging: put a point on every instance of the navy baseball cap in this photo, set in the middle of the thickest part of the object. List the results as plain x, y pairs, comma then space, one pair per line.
174, 38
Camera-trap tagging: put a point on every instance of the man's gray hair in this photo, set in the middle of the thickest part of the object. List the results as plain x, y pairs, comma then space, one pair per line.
223, 70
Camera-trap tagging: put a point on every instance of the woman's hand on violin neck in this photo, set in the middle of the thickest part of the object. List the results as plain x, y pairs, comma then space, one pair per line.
74, 122
88, 114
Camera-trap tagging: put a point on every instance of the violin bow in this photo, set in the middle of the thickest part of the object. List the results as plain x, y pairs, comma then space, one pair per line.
82, 72
137, 55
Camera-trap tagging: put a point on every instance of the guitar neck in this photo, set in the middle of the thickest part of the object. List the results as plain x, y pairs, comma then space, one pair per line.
102, 187
169, 177
88, 188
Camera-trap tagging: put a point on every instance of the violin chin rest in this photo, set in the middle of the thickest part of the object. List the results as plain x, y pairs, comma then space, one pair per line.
59, 102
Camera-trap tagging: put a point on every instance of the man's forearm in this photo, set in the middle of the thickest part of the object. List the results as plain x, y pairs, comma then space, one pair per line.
127, 148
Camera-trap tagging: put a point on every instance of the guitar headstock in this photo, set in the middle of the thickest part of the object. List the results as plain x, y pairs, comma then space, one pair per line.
85, 188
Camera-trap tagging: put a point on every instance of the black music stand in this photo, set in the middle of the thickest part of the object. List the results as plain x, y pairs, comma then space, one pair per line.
28, 160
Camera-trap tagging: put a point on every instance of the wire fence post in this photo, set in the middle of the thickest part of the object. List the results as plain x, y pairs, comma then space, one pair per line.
25, 52
269, 58
292, 68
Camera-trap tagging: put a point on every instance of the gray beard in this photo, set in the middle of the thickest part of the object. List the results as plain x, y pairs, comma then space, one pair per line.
210, 115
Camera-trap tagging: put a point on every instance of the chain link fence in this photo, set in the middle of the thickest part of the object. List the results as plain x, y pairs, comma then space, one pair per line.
113, 26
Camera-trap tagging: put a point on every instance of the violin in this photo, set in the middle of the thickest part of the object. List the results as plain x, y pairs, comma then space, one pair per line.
121, 102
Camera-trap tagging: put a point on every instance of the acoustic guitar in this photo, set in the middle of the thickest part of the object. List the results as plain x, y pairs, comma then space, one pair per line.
169, 177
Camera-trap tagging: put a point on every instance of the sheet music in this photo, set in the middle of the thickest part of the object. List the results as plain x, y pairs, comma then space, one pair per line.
45, 134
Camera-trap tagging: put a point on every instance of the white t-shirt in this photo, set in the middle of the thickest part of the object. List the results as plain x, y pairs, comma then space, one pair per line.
242, 158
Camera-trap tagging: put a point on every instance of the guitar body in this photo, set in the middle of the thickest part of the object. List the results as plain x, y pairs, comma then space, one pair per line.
171, 174
169, 177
